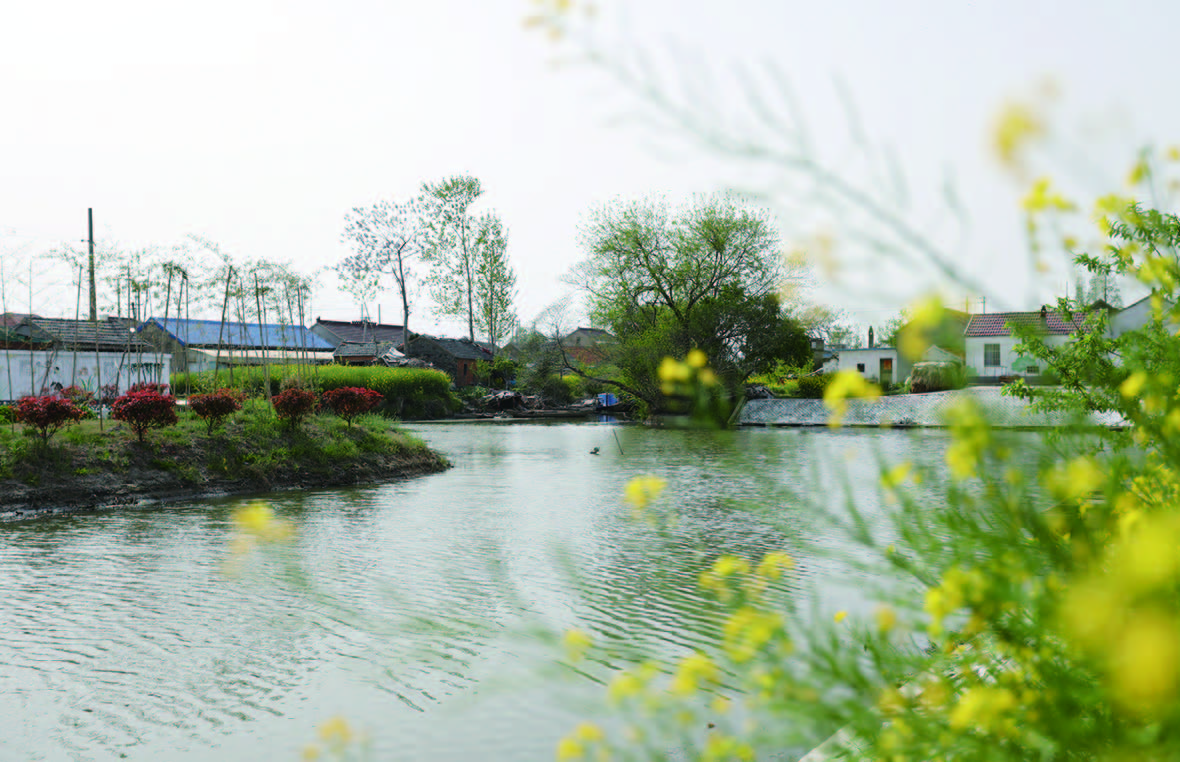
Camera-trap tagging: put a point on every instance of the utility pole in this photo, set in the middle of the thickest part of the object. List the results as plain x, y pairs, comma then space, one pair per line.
93, 288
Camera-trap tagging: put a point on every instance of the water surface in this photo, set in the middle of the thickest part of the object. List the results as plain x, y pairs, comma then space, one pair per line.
412, 608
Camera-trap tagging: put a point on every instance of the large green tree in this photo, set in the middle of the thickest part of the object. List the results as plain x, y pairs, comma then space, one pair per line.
470, 276
453, 245
495, 281
706, 276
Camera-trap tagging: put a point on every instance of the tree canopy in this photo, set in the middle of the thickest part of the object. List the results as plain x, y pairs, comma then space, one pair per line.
705, 276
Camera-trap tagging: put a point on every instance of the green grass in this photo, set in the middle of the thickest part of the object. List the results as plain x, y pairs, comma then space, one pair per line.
253, 446
408, 392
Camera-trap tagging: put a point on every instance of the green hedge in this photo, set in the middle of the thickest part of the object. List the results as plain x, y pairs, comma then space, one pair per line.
408, 392
814, 386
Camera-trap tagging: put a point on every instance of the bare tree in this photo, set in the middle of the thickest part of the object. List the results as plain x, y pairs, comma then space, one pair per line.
387, 237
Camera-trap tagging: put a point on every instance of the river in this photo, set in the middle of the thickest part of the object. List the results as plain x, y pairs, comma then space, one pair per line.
418, 610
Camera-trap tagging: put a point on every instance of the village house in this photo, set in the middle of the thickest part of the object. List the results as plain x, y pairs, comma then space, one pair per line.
337, 332
199, 345
45, 355
990, 344
587, 345
366, 353
886, 365
455, 357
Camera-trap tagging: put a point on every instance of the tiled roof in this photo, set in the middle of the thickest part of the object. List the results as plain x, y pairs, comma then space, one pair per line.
364, 349
208, 333
362, 330
462, 349
996, 323
111, 333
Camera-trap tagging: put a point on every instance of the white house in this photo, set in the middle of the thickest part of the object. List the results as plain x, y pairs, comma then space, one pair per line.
883, 365
1132, 317
991, 346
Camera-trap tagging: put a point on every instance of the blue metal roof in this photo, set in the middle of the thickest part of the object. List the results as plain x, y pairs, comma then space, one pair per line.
270, 335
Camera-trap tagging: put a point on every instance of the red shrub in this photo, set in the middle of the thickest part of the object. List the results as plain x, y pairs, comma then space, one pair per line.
47, 414
143, 410
107, 394
215, 407
293, 405
78, 395
350, 401
148, 386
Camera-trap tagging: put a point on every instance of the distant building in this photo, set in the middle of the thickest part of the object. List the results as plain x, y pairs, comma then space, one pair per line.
990, 344
44, 355
456, 357
587, 345
366, 353
883, 365
199, 345
337, 332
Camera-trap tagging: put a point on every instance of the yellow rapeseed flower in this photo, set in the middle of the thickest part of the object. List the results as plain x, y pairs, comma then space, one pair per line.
642, 490
1138, 173
1075, 480
1016, 126
697, 359
1145, 662
1042, 198
570, 749
1133, 385
896, 475
1091, 612
577, 643
588, 732
622, 687
336, 732
726, 566
257, 519
981, 708
1148, 556
674, 371
748, 631
840, 616
886, 619
773, 565
694, 670
845, 384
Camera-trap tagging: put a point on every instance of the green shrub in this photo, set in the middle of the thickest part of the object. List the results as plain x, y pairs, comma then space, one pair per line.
812, 387
407, 391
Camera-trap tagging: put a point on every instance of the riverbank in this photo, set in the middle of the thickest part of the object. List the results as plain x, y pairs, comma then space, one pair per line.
88, 467
911, 410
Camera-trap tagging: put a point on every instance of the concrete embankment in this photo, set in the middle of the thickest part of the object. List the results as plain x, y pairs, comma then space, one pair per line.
909, 410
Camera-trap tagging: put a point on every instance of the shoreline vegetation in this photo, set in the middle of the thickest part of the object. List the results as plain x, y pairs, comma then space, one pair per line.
84, 467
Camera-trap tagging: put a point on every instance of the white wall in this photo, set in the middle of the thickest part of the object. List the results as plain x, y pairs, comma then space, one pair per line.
1131, 318
871, 359
37, 372
1007, 355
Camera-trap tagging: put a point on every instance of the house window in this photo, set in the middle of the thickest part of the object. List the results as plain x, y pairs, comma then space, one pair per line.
860, 366
991, 355
1033, 370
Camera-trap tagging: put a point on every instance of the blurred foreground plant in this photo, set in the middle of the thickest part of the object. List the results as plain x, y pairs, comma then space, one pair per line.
1034, 608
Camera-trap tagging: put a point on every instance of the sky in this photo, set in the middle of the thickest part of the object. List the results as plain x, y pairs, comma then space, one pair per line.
259, 125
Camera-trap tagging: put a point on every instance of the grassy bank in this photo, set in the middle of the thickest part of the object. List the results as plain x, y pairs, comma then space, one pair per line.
87, 466
408, 392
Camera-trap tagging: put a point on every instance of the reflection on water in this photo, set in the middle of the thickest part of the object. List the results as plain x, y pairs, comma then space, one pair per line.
408, 607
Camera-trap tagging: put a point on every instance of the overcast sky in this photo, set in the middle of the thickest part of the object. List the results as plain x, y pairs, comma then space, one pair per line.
260, 124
